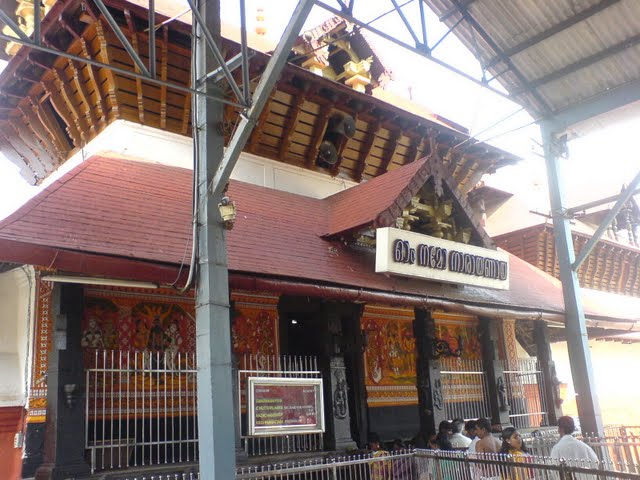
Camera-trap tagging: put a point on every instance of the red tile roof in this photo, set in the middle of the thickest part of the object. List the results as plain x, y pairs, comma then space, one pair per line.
139, 214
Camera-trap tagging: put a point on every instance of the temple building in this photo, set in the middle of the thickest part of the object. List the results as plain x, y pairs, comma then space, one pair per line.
366, 295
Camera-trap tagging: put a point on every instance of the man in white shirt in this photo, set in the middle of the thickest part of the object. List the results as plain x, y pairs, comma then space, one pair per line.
470, 431
577, 453
458, 441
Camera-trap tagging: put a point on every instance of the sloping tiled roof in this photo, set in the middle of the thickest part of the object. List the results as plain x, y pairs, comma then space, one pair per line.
380, 201
118, 212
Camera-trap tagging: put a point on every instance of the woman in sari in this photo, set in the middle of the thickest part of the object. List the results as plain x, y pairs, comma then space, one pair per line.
513, 445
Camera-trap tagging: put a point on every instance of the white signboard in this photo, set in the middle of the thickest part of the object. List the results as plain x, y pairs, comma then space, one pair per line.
420, 256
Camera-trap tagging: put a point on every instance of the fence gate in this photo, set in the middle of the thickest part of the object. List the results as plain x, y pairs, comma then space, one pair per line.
525, 390
141, 408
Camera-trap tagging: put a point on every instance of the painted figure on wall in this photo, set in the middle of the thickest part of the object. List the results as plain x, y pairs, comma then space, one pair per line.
390, 354
128, 324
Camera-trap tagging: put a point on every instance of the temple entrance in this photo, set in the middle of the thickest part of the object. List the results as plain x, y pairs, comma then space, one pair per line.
328, 331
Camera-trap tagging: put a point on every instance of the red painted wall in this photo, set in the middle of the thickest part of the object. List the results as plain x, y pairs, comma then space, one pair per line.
10, 457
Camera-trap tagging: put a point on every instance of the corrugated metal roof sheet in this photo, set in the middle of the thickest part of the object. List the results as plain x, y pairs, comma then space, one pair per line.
551, 54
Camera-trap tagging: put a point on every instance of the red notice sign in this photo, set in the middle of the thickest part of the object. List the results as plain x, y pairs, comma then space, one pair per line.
279, 406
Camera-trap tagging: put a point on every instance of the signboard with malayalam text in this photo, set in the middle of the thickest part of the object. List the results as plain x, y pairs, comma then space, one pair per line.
279, 406
410, 254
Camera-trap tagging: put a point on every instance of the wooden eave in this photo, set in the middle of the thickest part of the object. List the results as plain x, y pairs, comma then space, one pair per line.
610, 267
50, 107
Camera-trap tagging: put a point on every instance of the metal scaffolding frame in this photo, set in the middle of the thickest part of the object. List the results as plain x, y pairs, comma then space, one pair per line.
215, 173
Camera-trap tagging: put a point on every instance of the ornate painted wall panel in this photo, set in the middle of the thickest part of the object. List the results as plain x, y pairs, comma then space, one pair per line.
390, 356
43, 323
455, 328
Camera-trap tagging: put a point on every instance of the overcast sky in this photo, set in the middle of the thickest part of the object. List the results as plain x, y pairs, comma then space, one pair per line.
453, 97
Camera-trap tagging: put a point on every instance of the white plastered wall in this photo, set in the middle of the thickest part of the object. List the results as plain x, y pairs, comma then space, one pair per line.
137, 142
16, 318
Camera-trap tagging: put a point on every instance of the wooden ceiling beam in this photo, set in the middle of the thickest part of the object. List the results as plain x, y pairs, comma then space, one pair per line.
59, 106
90, 115
92, 74
25, 152
46, 116
372, 135
391, 147
322, 120
46, 140
290, 126
18, 160
105, 58
67, 96
256, 136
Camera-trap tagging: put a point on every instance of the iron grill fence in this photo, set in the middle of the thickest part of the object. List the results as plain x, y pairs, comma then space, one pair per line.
422, 465
525, 393
140, 409
620, 452
464, 389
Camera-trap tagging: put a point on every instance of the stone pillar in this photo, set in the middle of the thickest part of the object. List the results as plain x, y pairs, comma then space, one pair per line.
65, 426
429, 383
549, 376
496, 383
336, 400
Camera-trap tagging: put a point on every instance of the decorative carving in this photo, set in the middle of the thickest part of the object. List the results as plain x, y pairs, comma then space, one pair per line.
340, 396
442, 348
437, 394
502, 395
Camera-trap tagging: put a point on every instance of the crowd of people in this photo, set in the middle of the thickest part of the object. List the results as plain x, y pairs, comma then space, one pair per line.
475, 436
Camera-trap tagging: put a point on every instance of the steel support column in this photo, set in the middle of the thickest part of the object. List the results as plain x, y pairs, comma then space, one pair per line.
216, 430
575, 325
260, 96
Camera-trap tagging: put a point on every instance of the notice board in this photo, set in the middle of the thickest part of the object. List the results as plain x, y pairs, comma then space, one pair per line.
279, 406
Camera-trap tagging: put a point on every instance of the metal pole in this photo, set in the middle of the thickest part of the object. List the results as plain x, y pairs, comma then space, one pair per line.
575, 325
213, 345
624, 197
261, 95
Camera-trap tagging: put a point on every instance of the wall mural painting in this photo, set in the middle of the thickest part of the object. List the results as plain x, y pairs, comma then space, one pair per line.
254, 335
452, 328
139, 347
455, 328
390, 356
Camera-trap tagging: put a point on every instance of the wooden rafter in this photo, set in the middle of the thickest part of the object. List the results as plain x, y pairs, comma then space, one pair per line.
92, 74
322, 121
257, 131
90, 115
68, 98
105, 58
391, 147
290, 127
164, 66
19, 144
414, 148
59, 105
134, 43
41, 133
372, 135
14, 157
45, 114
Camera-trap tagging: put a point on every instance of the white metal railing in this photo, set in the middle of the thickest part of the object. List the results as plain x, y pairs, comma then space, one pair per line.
423, 465
140, 408
525, 393
279, 366
464, 388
